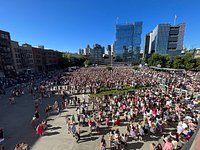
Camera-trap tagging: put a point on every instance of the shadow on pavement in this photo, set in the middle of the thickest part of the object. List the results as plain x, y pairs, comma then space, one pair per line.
50, 119
134, 146
48, 125
82, 140
51, 133
53, 128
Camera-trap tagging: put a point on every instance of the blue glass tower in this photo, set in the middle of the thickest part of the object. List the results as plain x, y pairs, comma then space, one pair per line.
128, 40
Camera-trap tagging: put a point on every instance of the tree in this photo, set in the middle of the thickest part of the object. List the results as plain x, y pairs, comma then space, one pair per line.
178, 62
87, 62
197, 63
189, 62
158, 59
79, 60
165, 61
64, 62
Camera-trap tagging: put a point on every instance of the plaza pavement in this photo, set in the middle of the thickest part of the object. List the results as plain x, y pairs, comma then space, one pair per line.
16, 119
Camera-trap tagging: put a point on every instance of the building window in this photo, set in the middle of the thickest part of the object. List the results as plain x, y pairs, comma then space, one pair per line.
2, 36
6, 36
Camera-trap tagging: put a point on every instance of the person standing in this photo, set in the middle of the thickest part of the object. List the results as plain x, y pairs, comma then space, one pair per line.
90, 126
40, 130
107, 121
110, 136
73, 118
37, 115
103, 143
78, 136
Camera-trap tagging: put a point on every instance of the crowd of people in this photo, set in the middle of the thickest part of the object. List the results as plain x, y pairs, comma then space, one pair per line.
145, 112
142, 114
93, 79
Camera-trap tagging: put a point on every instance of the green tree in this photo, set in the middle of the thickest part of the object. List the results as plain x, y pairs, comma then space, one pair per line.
189, 62
197, 63
64, 62
87, 62
163, 60
178, 62
79, 60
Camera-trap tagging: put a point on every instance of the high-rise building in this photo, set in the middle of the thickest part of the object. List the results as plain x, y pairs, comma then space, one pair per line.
107, 55
166, 39
23, 57
128, 40
147, 45
81, 51
6, 59
87, 50
96, 54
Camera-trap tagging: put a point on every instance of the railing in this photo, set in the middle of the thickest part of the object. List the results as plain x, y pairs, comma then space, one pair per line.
191, 143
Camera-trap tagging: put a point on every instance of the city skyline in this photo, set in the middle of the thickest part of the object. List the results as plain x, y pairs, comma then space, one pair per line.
68, 26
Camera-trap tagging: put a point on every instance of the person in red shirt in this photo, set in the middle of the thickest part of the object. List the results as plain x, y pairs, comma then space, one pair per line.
40, 130
118, 121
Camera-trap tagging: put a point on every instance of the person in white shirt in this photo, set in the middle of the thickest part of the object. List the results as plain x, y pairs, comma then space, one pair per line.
179, 128
184, 125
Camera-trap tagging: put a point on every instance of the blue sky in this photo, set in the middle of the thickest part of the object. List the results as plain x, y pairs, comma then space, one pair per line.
68, 25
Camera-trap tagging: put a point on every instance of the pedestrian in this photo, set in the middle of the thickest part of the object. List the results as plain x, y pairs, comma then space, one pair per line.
103, 143
40, 130
78, 136
73, 118
107, 121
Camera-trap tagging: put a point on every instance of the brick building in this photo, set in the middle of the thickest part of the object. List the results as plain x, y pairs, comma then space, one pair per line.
51, 59
45, 59
6, 60
39, 58
22, 57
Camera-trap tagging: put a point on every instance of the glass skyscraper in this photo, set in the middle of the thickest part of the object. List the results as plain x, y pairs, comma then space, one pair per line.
166, 39
128, 40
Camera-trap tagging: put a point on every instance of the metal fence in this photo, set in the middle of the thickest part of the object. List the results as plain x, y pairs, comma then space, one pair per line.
191, 143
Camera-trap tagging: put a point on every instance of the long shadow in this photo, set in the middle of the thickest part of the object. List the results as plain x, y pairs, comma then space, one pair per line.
50, 119
51, 133
49, 125
65, 116
83, 131
82, 140
85, 136
54, 113
149, 138
63, 111
71, 107
134, 146
53, 128
103, 131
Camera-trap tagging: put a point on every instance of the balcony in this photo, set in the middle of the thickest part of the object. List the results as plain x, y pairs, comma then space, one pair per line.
173, 32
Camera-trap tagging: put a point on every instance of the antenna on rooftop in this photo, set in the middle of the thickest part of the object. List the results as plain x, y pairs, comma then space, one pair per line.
175, 17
